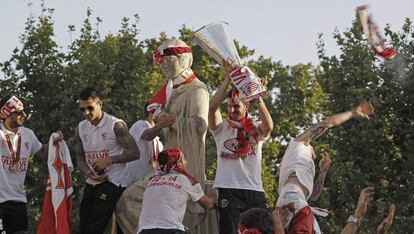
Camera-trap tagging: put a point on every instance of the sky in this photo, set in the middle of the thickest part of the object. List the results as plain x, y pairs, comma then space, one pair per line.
284, 30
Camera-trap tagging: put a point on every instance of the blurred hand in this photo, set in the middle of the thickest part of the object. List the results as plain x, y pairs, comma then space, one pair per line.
325, 162
385, 226
363, 110
59, 138
364, 198
265, 81
164, 120
102, 163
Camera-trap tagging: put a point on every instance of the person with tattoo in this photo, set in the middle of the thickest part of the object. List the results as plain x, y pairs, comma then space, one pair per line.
103, 145
297, 172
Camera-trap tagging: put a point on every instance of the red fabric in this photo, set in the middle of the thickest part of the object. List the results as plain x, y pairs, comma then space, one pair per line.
244, 230
302, 222
173, 157
245, 132
161, 96
157, 56
48, 222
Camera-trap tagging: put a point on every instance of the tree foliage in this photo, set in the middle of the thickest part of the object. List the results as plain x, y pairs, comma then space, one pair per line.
377, 152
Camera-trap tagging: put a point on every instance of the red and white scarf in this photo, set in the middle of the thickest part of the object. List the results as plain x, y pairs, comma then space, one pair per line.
373, 35
168, 160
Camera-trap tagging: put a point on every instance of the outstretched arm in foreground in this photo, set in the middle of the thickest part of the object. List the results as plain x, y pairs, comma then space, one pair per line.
364, 198
363, 110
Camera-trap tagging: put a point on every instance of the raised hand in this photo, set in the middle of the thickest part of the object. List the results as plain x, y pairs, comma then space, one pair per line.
364, 198
363, 110
325, 162
385, 226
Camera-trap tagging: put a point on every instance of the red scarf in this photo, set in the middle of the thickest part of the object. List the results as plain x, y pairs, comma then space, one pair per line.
168, 161
245, 131
161, 96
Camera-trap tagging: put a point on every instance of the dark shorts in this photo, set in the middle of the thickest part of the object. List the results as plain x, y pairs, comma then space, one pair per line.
97, 206
233, 202
161, 231
13, 217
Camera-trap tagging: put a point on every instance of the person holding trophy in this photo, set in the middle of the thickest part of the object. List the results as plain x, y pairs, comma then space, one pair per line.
238, 139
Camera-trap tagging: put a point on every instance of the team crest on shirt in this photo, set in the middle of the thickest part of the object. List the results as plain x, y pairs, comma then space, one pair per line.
27, 145
231, 144
85, 138
104, 136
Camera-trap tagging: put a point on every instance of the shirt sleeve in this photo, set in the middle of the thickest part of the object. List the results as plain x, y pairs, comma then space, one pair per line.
137, 129
36, 145
195, 192
217, 131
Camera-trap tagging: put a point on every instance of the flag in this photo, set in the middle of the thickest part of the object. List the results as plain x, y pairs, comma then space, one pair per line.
57, 204
373, 35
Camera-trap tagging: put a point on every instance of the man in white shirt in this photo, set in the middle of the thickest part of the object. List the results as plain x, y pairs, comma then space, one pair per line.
297, 171
239, 156
148, 149
17, 145
167, 194
103, 145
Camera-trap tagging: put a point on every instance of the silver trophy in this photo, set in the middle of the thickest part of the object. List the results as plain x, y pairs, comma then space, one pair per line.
215, 39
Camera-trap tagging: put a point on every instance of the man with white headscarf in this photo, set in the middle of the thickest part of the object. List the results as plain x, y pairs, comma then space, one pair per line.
17, 144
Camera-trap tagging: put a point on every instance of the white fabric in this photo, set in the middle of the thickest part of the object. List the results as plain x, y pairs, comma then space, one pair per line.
298, 159
165, 201
55, 173
100, 142
12, 181
148, 149
237, 173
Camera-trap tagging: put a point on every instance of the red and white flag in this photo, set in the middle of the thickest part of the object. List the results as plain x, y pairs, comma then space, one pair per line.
373, 35
56, 215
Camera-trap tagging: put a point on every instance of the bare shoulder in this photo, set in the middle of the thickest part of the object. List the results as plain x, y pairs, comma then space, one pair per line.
120, 128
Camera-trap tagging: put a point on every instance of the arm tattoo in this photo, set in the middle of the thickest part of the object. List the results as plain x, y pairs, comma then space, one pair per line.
316, 131
80, 153
317, 188
128, 144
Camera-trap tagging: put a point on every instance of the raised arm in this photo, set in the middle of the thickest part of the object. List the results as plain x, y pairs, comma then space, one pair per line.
164, 120
266, 127
363, 110
324, 164
214, 115
364, 198
385, 226
130, 148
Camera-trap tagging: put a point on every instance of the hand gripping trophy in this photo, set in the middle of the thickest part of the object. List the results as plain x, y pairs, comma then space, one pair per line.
216, 41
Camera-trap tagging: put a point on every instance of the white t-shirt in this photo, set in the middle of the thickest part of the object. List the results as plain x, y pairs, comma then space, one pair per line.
100, 142
235, 172
165, 200
297, 159
148, 149
12, 177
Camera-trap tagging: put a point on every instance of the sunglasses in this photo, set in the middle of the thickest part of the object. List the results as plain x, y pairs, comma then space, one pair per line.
19, 113
89, 108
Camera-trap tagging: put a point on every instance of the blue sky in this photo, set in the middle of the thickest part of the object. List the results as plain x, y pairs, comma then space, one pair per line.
283, 30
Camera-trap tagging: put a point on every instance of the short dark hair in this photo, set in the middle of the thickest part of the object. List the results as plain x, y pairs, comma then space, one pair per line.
89, 92
259, 218
145, 111
4, 99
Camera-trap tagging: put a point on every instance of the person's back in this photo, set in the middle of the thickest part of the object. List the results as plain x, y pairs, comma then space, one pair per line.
165, 201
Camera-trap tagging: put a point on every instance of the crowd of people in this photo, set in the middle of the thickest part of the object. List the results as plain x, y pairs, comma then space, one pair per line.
158, 186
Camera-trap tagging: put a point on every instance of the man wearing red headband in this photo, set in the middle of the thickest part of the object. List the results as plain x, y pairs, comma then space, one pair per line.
185, 97
167, 194
297, 172
239, 149
17, 145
